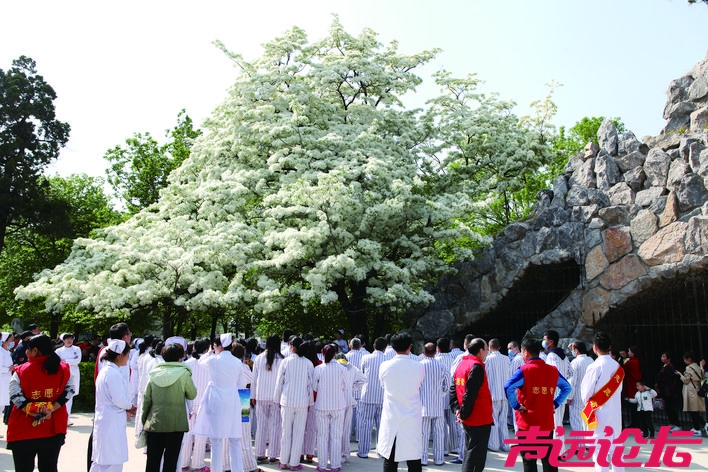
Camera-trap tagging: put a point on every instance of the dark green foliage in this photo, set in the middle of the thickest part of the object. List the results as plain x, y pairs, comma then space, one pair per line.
30, 138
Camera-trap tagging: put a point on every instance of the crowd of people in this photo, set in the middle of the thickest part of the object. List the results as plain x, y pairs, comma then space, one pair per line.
294, 400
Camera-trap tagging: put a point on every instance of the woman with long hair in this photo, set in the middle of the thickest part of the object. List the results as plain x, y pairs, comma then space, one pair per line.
693, 403
293, 388
268, 419
39, 389
113, 400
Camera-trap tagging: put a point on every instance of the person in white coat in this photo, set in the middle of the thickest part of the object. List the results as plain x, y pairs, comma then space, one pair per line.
6, 370
221, 406
401, 416
72, 356
598, 377
110, 440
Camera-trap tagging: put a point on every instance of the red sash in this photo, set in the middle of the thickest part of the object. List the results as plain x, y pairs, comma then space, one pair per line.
601, 397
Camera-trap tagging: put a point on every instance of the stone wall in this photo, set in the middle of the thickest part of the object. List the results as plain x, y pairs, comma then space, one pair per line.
631, 213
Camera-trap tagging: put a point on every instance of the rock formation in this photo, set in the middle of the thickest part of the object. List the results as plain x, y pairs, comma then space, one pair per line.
628, 213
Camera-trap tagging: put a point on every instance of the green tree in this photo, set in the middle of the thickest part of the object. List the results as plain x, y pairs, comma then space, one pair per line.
80, 205
30, 138
570, 141
140, 170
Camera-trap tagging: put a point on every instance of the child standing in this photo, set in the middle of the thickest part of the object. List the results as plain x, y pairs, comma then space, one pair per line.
644, 398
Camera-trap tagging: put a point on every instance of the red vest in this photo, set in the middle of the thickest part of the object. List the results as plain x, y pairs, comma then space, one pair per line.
482, 410
540, 383
38, 386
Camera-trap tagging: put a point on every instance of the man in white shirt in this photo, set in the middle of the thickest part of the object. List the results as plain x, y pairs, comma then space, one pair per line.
556, 357
606, 375
401, 418
71, 355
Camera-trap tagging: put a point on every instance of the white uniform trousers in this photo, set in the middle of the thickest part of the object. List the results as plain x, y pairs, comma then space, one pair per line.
329, 438
218, 448
558, 417
346, 428
310, 441
106, 468
500, 430
268, 431
193, 448
369, 415
248, 456
293, 431
437, 424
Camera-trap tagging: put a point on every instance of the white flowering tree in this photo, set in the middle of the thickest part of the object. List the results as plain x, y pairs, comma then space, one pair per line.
311, 186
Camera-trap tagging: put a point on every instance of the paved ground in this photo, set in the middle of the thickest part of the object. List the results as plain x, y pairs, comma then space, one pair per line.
73, 456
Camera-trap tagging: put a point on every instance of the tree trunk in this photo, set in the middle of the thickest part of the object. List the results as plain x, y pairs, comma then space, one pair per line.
167, 328
354, 307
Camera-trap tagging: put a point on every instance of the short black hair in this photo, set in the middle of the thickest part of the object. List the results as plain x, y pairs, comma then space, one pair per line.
602, 341
173, 353
552, 335
580, 347
401, 341
118, 330
532, 346
443, 345
380, 344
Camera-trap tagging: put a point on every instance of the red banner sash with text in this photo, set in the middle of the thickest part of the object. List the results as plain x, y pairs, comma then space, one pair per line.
600, 398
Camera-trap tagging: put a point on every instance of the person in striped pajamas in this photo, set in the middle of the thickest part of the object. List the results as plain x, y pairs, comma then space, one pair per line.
516, 364
354, 357
265, 372
308, 445
450, 426
433, 393
498, 369
355, 381
578, 367
371, 401
293, 390
329, 380
194, 447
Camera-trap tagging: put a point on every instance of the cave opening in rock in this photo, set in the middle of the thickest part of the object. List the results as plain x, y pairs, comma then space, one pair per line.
539, 291
670, 315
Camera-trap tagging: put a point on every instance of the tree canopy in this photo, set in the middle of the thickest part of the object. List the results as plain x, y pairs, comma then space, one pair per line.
30, 138
313, 188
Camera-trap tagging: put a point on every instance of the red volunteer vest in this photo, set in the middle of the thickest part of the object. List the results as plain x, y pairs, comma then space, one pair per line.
540, 383
482, 411
38, 386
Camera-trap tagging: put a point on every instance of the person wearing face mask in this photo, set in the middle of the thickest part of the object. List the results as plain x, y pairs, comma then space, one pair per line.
5, 373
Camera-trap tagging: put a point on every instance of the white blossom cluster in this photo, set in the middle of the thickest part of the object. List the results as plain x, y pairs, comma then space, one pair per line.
311, 181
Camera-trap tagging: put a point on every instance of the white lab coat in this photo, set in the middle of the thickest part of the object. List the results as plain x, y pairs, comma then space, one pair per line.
110, 440
220, 409
401, 416
5, 376
610, 414
72, 356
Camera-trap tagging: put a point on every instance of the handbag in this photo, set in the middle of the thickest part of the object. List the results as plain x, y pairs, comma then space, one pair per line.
141, 440
703, 390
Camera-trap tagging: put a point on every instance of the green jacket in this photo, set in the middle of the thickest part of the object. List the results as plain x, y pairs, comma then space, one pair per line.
164, 408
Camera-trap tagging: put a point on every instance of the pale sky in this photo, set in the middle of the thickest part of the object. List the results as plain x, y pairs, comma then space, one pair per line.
131, 66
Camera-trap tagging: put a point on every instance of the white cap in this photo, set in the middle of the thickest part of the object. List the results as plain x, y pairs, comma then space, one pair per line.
225, 339
4, 336
116, 345
177, 340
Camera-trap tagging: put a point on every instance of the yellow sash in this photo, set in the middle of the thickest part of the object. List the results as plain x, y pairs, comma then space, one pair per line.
600, 398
